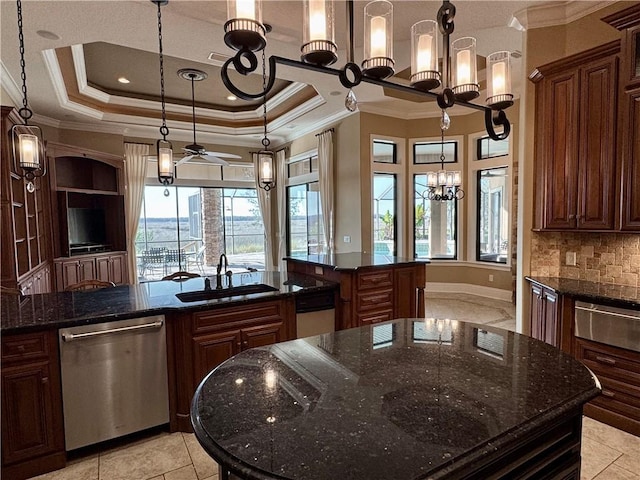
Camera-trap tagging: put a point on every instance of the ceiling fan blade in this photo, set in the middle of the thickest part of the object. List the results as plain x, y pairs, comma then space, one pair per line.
190, 151
213, 159
184, 159
222, 154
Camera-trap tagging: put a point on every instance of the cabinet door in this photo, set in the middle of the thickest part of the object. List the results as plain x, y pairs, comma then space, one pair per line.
536, 312
263, 335
631, 161
597, 162
550, 318
27, 412
558, 133
118, 269
211, 350
405, 300
103, 268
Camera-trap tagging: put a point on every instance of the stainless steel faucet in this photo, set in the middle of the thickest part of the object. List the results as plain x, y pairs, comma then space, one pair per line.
227, 272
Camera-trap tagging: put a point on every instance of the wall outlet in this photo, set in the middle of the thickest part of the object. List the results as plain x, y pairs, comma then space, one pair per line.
571, 258
491, 278
347, 239
318, 271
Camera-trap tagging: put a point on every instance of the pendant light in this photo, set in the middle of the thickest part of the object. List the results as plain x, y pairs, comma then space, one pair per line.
378, 40
499, 94
266, 172
444, 185
27, 141
166, 168
318, 46
465, 82
244, 29
424, 56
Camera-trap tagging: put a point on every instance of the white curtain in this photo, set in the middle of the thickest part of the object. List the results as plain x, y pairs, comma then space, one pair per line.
264, 201
135, 170
281, 179
325, 179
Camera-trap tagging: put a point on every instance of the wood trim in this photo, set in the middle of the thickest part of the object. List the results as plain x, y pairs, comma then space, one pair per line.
627, 18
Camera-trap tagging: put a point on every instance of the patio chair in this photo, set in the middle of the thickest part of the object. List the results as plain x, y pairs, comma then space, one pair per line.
198, 259
174, 258
178, 276
152, 259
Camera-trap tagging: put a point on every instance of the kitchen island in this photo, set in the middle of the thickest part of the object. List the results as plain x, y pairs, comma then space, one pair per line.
410, 399
373, 288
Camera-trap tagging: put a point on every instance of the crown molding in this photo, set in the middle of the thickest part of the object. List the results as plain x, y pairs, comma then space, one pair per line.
9, 85
297, 112
558, 13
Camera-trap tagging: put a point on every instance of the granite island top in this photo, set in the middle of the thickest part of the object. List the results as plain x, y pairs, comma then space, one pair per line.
354, 261
64, 309
615, 295
406, 399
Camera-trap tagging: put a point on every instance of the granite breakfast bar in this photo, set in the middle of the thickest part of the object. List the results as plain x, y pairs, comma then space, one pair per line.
409, 399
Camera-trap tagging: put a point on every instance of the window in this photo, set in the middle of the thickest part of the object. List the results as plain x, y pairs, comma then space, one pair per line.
384, 214
302, 166
492, 215
304, 220
190, 228
384, 151
489, 148
425, 153
434, 224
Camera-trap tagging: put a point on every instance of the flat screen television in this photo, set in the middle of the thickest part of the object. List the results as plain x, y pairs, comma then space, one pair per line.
86, 226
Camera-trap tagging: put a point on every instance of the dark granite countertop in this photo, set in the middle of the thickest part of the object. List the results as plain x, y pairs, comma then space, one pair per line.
604, 293
406, 399
64, 309
353, 261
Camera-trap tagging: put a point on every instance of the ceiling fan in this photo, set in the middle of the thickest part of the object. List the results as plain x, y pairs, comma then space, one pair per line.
194, 151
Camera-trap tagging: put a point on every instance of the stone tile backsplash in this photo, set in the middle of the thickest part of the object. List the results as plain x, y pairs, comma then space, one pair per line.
600, 257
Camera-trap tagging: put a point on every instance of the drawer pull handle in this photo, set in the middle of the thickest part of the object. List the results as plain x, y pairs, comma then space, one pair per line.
245, 343
608, 393
607, 360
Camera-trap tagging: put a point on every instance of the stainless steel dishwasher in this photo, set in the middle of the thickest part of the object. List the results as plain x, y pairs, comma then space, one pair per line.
114, 379
619, 327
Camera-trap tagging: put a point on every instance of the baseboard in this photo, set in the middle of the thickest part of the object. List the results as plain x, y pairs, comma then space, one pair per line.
482, 291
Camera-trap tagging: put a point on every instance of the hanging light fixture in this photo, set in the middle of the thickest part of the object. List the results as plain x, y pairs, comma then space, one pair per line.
266, 171
444, 185
27, 141
166, 167
458, 77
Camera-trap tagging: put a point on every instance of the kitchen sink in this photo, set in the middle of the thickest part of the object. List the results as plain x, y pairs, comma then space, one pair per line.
225, 292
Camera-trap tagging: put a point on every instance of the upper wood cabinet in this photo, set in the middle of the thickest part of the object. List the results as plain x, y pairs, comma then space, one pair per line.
628, 22
25, 216
576, 112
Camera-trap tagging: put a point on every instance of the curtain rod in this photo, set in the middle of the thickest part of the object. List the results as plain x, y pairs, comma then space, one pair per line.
326, 131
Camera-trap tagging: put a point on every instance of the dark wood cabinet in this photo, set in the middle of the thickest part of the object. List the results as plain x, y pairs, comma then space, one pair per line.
37, 281
619, 373
576, 108
108, 267
628, 22
32, 425
545, 315
200, 341
112, 268
25, 217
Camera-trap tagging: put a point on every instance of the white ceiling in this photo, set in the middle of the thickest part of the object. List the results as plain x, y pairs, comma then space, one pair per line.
194, 29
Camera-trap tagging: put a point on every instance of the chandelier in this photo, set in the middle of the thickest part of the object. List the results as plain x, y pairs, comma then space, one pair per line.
27, 141
443, 185
455, 84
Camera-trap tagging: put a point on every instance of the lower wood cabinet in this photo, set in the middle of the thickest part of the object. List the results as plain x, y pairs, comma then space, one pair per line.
109, 267
544, 315
37, 281
619, 373
200, 341
32, 422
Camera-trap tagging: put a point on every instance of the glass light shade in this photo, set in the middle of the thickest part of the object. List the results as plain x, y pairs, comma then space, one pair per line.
265, 169
424, 55
442, 177
244, 28
457, 179
449, 179
29, 149
166, 167
28, 152
465, 72
319, 46
378, 39
432, 179
499, 93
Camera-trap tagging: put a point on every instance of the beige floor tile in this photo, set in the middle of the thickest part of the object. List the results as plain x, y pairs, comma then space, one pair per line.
205, 466
616, 473
184, 473
153, 457
86, 469
159, 477
595, 458
470, 308
629, 462
612, 437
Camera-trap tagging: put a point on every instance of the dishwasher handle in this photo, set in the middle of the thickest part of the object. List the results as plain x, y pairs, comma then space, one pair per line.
69, 337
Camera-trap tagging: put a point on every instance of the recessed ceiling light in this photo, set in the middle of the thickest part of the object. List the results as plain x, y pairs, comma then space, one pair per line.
48, 35
232, 98
124, 80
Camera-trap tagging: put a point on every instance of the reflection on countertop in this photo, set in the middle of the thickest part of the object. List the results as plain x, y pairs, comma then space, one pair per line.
606, 293
410, 398
63, 309
353, 261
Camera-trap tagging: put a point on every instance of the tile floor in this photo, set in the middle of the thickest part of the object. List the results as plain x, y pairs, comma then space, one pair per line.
607, 453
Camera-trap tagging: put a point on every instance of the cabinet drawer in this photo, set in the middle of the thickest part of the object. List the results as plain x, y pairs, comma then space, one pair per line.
232, 317
375, 300
375, 317
25, 347
615, 363
375, 279
619, 398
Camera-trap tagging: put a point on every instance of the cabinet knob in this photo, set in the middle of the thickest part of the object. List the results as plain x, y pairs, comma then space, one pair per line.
608, 393
245, 343
571, 216
238, 344
45, 380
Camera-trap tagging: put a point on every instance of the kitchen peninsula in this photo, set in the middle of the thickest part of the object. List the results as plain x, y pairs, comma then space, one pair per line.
410, 398
373, 288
